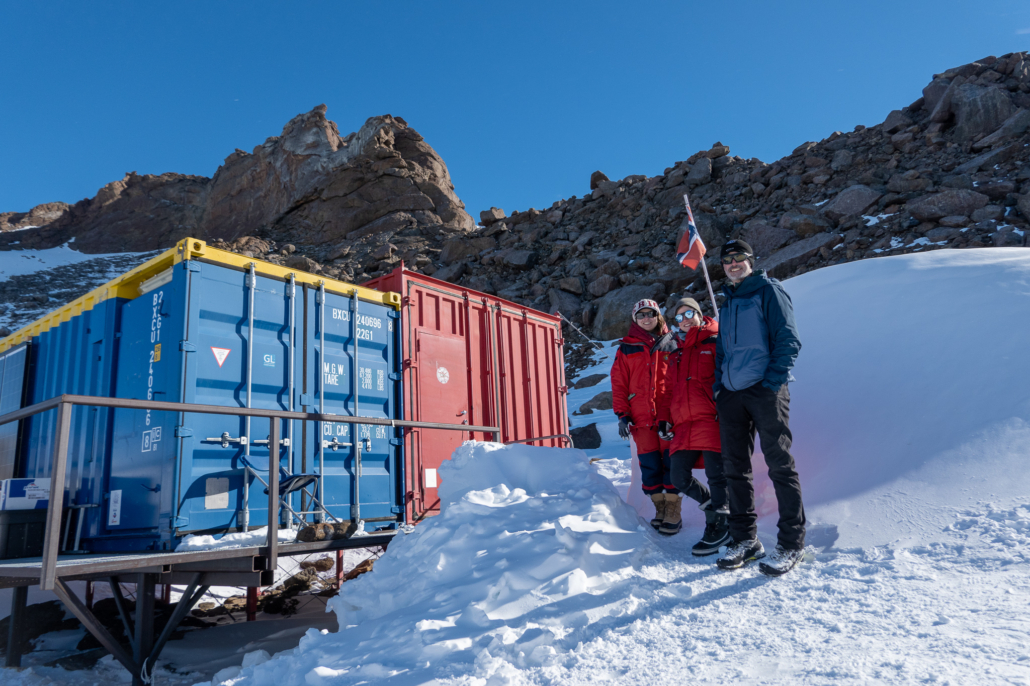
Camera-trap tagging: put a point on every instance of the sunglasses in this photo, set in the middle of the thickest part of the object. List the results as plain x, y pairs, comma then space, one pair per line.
739, 257
684, 316
646, 315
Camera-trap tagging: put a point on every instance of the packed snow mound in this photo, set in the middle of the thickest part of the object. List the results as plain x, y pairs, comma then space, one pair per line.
531, 545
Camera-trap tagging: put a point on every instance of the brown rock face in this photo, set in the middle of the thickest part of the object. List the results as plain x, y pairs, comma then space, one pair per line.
308, 183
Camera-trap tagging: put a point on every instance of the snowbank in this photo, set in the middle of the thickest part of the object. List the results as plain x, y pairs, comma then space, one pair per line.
531, 545
244, 539
21, 262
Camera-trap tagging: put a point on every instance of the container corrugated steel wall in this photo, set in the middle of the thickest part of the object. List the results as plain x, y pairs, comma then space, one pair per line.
215, 328
474, 358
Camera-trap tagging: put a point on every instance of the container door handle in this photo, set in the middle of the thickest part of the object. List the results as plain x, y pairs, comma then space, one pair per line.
285, 442
225, 439
334, 444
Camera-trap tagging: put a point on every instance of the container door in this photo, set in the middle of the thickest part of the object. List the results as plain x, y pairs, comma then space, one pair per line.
224, 365
366, 340
443, 397
13, 364
143, 448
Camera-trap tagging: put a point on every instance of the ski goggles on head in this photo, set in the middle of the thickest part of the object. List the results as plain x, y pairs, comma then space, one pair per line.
646, 314
737, 257
684, 316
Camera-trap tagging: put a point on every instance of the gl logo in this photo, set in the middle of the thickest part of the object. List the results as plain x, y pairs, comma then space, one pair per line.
269, 360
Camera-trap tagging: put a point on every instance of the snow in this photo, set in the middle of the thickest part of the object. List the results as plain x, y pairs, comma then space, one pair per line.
911, 423
21, 262
254, 537
874, 220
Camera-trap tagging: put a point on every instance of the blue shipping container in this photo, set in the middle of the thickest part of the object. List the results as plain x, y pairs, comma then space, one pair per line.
201, 325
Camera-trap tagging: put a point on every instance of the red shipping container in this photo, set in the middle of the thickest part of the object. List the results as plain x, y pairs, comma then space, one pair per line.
472, 358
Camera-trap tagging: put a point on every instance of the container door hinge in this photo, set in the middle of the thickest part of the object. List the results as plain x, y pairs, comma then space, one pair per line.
183, 431
396, 376
191, 266
180, 522
396, 509
396, 441
408, 363
187, 347
563, 389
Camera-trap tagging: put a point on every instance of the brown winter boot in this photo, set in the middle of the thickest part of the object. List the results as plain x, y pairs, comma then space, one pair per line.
659, 509
673, 520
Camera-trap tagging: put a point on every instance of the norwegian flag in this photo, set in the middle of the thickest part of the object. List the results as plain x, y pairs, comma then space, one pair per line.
691, 249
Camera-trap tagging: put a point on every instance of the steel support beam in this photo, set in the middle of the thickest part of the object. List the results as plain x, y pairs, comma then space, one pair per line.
145, 588
94, 626
19, 598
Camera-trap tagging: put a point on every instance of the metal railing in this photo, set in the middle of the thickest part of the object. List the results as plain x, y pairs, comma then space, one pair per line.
567, 438
64, 404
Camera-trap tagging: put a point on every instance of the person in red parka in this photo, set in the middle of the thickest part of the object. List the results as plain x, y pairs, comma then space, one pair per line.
687, 417
637, 374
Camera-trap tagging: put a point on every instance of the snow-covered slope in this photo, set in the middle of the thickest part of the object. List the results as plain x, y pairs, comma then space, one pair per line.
911, 418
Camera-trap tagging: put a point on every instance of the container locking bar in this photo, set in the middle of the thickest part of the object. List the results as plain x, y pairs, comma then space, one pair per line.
225, 439
285, 442
335, 444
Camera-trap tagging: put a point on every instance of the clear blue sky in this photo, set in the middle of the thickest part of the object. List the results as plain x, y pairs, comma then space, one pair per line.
523, 100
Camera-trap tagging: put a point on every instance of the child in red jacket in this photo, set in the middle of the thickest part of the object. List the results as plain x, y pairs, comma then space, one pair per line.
637, 374
687, 418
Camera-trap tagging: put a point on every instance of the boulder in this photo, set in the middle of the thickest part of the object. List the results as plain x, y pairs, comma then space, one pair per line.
601, 401
941, 112
896, 121
979, 110
700, 172
302, 262
1023, 203
612, 318
571, 284
586, 437
842, 159
988, 159
491, 216
803, 224
456, 249
781, 264
933, 92
946, 203
597, 178
765, 239
566, 303
850, 202
590, 380
450, 273
602, 285
1018, 123
520, 259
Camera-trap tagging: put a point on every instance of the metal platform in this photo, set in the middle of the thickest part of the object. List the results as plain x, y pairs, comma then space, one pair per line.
244, 566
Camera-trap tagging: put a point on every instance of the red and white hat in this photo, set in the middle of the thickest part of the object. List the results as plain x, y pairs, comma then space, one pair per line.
645, 305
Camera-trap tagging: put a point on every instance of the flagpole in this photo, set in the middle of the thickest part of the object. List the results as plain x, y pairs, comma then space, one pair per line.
704, 268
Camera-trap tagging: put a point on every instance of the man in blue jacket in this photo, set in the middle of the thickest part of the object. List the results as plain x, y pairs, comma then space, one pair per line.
757, 345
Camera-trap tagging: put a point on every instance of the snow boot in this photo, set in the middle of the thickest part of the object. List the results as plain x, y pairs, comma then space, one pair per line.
673, 520
659, 509
740, 553
781, 562
717, 531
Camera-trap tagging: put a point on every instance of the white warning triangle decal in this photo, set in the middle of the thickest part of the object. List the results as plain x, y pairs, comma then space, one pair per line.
220, 354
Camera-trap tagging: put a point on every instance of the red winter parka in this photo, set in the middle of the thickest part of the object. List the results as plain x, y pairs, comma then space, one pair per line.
638, 373
685, 397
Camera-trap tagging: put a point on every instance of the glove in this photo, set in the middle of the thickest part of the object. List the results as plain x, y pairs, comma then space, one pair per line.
665, 431
624, 423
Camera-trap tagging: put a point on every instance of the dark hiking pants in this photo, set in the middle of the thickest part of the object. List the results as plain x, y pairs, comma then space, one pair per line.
741, 413
684, 479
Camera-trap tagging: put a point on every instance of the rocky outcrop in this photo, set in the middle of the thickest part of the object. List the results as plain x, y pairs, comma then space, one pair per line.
306, 185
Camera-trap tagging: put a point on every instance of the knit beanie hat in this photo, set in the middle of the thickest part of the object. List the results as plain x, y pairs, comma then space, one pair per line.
739, 247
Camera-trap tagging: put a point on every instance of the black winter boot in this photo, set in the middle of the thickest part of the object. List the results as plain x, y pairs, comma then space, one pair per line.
717, 531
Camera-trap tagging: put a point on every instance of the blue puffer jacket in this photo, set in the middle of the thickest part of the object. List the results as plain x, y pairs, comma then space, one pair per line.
758, 339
